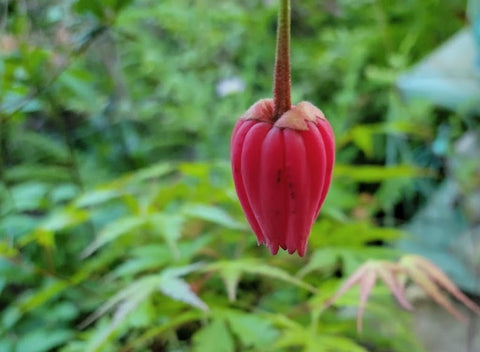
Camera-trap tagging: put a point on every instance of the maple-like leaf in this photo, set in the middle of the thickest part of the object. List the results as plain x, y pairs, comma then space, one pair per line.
366, 276
419, 270
431, 279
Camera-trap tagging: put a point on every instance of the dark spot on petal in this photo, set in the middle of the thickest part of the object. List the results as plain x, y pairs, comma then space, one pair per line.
279, 175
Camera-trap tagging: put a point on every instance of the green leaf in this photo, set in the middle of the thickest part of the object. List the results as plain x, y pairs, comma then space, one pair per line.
335, 343
97, 197
41, 340
94, 7
112, 231
231, 276
29, 195
7, 251
151, 173
213, 338
43, 145
374, 173
293, 337
140, 288
45, 173
64, 218
340, 234
172, 323
137, 265
275, 273
252, 329
168, 282
212, 214
179, 290
170, 227
51, 289
171, 285
362, 136
323, 258
42, 295
316, 342
231, 271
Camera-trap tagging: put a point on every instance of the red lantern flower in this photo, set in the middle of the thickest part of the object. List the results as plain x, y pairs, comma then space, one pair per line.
282, 171
282, 159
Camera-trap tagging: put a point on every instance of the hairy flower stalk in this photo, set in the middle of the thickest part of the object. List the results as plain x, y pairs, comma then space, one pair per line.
282, 158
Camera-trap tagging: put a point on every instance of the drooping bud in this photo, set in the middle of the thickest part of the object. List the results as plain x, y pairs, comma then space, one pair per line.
282, 158
282, 171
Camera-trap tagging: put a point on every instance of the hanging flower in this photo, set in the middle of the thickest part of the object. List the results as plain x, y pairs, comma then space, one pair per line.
282, 172
282, 159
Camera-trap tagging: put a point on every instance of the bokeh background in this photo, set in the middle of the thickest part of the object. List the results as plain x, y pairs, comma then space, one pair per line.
120, 229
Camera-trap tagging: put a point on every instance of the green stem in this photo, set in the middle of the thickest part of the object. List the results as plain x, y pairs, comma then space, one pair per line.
281, 89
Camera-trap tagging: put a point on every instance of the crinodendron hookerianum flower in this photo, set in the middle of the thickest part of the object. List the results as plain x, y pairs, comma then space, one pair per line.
282, 159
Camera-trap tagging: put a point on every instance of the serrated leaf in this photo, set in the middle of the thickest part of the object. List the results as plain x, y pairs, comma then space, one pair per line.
362, 136
28, 196
46, 173
121, 313
43, 145
42, 295
179, 290
42, 340
231, 271
64, 218
366, 284
171, 285
231, 277
112, 231
212, 214
7, 251
97, 197
375, 173
314, 342
170, 227
153, 256
152, 172
435, 274
144, 286
213, 338
182, 270
293, 337
323, 258
137, 265
337, 344
155, 331
341, 234
251, 329
276, 273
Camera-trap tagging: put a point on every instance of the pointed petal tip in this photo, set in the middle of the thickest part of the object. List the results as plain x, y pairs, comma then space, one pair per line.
273, 248
302, 248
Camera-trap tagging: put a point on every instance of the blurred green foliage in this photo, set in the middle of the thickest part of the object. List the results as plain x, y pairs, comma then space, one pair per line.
119, 226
